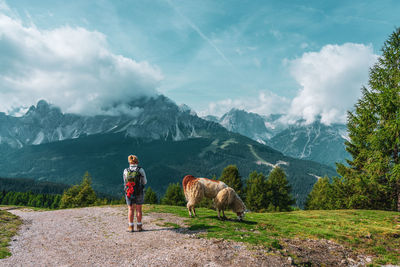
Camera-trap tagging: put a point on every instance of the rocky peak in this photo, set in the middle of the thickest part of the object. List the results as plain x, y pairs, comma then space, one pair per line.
43, 108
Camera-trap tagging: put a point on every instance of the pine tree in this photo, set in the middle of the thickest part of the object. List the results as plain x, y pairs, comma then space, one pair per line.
150, 197
86, 195
174, 196
320, 196
81, 195
256, 192
230, 175
374, 131
279, 190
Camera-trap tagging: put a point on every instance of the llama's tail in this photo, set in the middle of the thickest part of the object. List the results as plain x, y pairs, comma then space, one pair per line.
187, 180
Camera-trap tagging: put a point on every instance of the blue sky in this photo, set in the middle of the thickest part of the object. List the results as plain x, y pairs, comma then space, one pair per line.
215, 55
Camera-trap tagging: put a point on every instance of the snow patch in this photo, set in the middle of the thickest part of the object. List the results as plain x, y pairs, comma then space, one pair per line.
269, 125
39, 138
344, 134
193, 134
112, 128
60, 134
261, 141
315, 176
178, 135
132, 122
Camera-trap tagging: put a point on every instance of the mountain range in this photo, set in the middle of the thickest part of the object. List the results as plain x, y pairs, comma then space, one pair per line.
170, 140
315, 141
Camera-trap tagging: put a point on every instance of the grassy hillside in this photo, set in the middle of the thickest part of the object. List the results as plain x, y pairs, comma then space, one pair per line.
9, 225
374, 234
105, 157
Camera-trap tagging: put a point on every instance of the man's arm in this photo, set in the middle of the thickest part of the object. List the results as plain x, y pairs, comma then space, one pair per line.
144, 179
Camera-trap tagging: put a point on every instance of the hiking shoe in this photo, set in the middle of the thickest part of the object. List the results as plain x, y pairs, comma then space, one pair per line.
130, 228
139, 228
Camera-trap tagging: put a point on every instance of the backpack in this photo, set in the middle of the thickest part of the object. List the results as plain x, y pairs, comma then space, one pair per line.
136, 177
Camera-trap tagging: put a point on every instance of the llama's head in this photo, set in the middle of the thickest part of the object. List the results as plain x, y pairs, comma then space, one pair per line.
240, 215
239, 208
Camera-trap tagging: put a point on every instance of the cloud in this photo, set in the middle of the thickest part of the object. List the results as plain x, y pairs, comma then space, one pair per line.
70, 67
330, 81
266, 103
4, 6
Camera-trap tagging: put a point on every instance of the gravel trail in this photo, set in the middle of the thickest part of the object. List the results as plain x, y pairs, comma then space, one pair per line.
97, 236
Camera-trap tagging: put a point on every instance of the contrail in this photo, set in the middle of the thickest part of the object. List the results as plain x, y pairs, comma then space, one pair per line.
202, 35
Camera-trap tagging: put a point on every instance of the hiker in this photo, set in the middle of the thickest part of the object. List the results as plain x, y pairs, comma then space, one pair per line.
134, 181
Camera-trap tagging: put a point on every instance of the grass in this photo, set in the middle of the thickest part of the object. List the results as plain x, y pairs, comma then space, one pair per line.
26, 208
9, 225
367, 232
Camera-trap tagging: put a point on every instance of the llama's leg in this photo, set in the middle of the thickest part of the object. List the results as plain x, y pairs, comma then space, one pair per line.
219, 214
189, 209
223, 214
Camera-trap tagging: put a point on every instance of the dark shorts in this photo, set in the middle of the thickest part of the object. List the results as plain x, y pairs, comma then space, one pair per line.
139, 199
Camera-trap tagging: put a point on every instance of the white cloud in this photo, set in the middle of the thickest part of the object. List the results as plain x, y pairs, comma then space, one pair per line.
330, 81
70, 67
4, 6
266, 103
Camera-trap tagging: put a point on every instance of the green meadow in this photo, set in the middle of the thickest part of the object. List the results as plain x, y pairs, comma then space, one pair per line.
9, 225
367, 232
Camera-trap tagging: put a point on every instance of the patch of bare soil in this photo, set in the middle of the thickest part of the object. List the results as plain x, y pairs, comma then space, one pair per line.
97, 236
322, 253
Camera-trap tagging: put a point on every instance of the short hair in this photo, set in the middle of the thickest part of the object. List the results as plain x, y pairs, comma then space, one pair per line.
132, 159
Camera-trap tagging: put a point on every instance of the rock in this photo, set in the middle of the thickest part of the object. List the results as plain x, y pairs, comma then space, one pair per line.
351, 261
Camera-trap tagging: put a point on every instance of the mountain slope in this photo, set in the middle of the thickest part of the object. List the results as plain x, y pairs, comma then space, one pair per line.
170, 141
105, 157
150, 118
316, 141
248, 124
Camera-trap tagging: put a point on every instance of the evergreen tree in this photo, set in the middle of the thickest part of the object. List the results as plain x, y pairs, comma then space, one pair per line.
230, 175
81, 195
256, 192
150, 197
86, 195
174, 196
340, 192
320, 195
56, 202
279, 191
372, 174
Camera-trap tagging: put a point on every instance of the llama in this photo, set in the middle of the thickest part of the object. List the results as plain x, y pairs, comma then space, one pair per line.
196, 189
228, 198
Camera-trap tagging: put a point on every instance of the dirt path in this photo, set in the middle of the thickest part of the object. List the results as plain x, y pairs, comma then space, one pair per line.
97, 236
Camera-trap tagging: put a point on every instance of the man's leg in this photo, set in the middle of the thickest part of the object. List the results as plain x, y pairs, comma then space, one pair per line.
130, 217
139, 217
